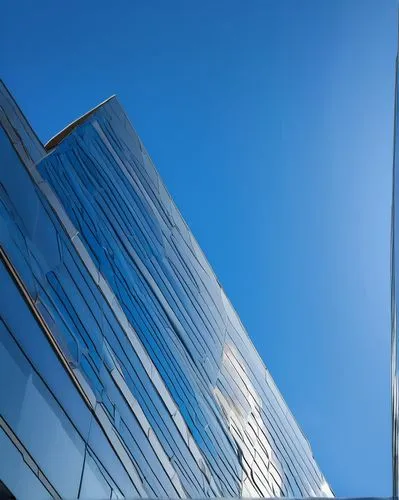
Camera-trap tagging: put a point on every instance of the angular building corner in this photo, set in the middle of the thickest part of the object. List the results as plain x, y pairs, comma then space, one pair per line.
124, 370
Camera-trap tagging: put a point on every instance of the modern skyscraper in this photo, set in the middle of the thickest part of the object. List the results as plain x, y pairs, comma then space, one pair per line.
124, 369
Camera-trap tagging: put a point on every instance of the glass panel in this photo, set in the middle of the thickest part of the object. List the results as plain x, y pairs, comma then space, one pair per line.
94, 484
16, 474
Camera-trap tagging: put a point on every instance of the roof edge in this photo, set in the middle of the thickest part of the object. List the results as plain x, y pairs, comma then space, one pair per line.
60, 136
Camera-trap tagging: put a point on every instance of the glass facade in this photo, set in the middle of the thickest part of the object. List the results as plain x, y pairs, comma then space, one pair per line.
124, 369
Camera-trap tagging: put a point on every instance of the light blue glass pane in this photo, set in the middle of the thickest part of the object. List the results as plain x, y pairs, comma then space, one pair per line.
94, 484
16, 474
37, 420
19, 320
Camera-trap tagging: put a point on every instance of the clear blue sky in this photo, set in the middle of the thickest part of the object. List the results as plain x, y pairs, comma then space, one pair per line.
271, 123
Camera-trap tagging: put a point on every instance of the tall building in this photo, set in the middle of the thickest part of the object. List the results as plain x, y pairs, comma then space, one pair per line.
124, 369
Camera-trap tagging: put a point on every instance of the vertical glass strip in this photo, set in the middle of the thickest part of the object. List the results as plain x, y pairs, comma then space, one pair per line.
394, 271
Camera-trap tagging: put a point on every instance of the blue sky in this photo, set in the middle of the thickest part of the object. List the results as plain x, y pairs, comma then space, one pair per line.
271, 124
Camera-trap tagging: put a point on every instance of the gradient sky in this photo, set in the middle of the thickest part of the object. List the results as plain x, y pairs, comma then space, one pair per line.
271, 124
